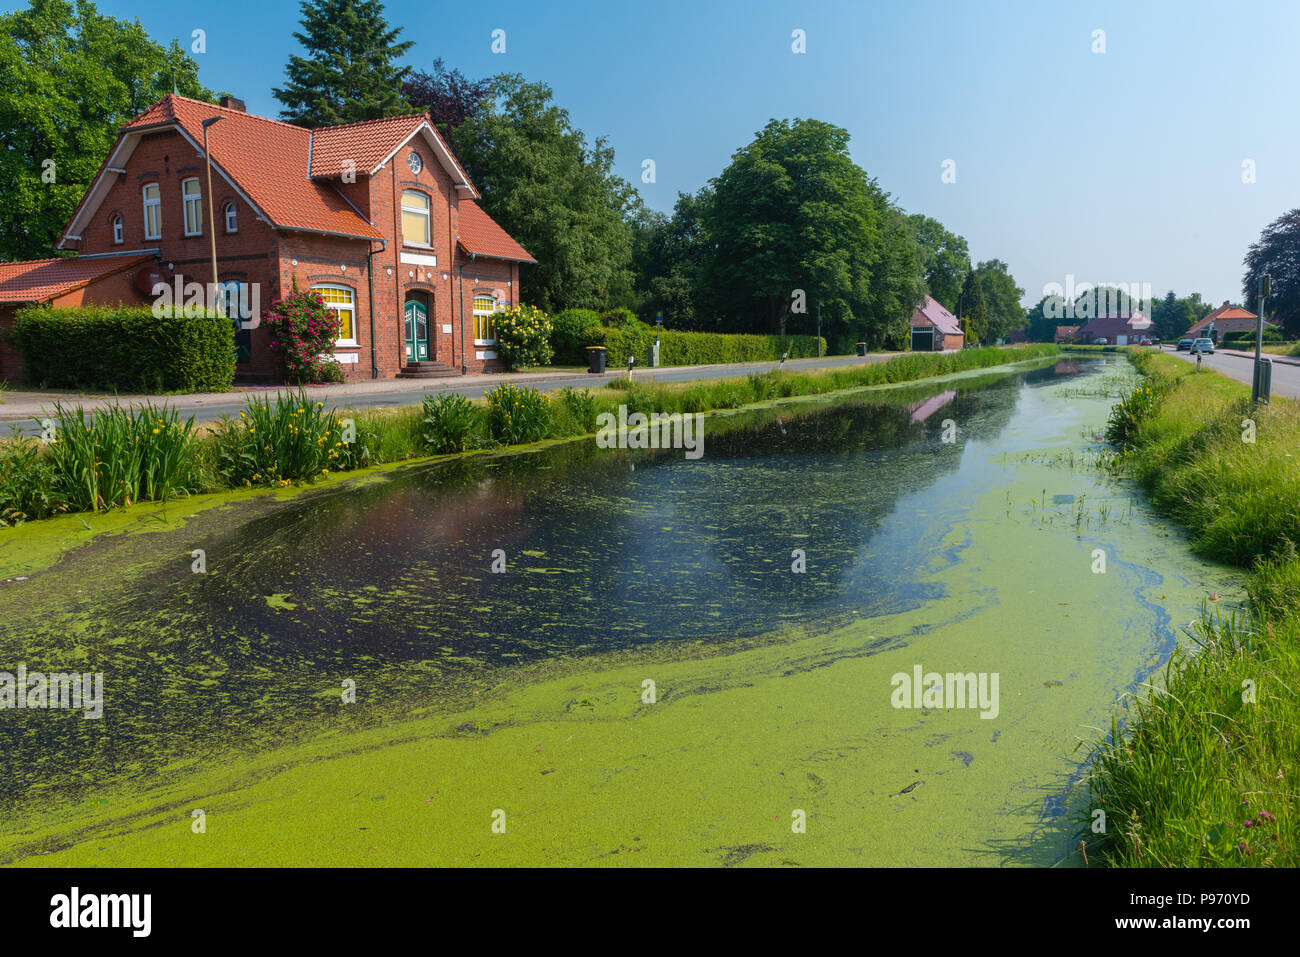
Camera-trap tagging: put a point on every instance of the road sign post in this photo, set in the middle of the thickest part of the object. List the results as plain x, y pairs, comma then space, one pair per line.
1261, 382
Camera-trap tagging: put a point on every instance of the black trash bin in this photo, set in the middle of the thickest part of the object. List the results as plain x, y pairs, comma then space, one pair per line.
862, 348
596, 359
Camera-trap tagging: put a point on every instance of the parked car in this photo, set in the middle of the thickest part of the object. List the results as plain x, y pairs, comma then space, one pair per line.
1185, 344
1101, 341
1146, 342
1203, 345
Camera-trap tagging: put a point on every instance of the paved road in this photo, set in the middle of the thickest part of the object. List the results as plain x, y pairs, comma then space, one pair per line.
1240, 366
22, 410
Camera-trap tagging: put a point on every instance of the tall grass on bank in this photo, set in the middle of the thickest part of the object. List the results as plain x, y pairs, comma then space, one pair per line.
1205, 772
119, 457
122, 456
292, 439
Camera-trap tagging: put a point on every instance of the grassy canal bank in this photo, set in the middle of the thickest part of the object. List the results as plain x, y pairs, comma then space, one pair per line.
1205, 774
125, 456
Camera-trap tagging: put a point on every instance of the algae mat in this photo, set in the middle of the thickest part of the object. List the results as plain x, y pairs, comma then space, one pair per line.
508, 720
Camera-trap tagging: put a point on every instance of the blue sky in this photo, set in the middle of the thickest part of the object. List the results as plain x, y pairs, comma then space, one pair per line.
1117, 166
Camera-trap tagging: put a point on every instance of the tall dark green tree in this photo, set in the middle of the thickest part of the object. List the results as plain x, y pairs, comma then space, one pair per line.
1001, 297
1042, 318
70, 78
1277, 253
945, 258
555, 194
973, 309
350, 71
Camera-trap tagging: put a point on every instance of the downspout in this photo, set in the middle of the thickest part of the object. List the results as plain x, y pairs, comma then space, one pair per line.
461, 322
370, 279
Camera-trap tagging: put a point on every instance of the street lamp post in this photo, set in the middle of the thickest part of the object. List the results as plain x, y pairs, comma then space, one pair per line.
212, 223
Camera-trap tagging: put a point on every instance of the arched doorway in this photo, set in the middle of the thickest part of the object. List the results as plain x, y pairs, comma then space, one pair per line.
416, 327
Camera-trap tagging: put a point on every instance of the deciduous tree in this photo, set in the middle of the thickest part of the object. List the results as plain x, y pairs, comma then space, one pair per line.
71, 77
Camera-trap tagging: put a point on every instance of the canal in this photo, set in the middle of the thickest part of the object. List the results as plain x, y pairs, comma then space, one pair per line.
575, 655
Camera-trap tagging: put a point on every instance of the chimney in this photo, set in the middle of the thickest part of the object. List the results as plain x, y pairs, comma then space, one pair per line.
233, 103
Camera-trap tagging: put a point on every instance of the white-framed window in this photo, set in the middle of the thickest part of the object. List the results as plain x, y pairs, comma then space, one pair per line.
485, 328
343, 301
415, 218
117, 230
152, 211
192, 200
232, 218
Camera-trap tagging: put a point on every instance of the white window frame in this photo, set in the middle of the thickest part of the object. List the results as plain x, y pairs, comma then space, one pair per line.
426, 211
117, 230
496, 307
197, 201
337, 306
152, 210
231, 214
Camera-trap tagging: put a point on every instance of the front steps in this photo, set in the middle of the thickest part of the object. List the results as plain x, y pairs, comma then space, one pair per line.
427, 370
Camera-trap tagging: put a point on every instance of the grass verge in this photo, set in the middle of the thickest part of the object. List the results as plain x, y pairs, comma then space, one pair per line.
296, 440
1205, 772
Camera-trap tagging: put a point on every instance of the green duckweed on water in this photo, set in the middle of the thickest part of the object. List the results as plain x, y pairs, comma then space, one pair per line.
522, 696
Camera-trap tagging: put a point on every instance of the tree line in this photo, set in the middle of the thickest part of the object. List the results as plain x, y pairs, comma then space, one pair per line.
791, 232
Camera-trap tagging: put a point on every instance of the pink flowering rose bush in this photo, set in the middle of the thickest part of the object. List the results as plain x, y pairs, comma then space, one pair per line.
302, 331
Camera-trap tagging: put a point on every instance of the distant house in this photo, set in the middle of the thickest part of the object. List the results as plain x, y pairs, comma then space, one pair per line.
1227, 318
934, 328
1116, 330
1066, 334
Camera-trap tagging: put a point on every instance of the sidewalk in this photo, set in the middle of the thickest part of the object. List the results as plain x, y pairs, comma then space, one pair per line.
25, 405
1284, 360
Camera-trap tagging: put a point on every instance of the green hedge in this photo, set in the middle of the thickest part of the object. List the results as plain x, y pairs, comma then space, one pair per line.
1271, 334
697, 348
125, 348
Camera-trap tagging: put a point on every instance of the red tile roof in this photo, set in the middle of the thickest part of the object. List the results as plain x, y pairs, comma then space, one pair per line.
481, 236
931, 313
1226, 311
266, 159
42, 279
366, 144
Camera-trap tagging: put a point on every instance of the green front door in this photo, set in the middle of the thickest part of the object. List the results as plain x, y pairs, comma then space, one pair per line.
417, 331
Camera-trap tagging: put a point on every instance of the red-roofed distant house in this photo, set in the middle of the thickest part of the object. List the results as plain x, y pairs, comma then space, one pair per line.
1116, 330
379, 217
1227, 318
934, 328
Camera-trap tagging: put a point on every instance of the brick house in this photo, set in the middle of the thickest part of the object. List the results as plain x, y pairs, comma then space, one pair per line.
1227, 318
1116, 330
378, 217
934, 328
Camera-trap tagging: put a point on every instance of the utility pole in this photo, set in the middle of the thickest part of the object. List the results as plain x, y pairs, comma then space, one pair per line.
819, 330
212, 223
